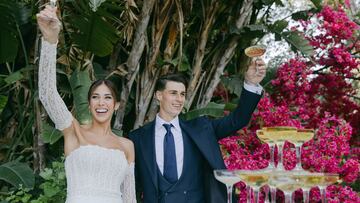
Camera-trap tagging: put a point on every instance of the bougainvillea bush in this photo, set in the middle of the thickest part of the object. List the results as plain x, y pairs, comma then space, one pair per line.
317, 94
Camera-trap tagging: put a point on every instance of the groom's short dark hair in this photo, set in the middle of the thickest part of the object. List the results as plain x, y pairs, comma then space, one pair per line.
174, 77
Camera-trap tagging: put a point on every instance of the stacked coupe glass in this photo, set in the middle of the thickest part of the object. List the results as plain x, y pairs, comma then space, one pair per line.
276, 177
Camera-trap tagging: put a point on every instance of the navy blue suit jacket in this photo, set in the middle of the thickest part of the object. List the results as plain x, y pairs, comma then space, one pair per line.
205, 133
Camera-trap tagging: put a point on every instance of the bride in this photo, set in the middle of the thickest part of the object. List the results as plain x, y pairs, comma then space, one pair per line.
99, 165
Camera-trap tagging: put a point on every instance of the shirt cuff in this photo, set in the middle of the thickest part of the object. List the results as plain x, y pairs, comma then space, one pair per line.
254, 89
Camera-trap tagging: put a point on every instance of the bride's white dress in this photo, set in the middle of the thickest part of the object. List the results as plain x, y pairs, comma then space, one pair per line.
94, 174
97, 175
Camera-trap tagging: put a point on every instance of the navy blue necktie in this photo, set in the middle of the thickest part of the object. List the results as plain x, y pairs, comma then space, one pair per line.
170, 169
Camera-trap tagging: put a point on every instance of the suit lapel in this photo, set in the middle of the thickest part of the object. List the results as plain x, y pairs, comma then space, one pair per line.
147, 143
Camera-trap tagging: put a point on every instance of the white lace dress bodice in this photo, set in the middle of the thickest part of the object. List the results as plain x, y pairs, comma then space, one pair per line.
97, 175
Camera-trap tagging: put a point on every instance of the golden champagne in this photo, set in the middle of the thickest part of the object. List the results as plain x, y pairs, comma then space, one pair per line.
301, 136
226, 177
275, 136
227, 180
280, 134
255, 180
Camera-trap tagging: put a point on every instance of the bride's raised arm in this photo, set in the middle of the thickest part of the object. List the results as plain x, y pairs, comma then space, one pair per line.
49, 25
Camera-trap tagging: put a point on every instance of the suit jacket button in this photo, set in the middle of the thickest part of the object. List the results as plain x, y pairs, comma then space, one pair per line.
185, 192
166, 193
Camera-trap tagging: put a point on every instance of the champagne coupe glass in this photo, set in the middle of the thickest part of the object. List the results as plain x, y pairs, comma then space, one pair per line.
254, 179
278, 134
300, 137
266, 138
309, 180
328, 179
285, 181
229, 178
255, 52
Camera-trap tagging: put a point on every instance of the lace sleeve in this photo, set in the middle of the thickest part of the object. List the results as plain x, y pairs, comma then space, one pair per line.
128, 186
48, 94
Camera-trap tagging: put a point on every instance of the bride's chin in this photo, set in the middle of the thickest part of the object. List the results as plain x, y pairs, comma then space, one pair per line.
101, 119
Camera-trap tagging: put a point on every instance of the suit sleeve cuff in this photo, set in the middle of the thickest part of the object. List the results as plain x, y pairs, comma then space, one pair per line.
254, 89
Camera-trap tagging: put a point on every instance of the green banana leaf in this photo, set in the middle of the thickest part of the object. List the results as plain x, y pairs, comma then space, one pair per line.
9, 42
80, 83
13, 14
233, 83
212, 109
92, 32
50, 134
298, 42
17, 174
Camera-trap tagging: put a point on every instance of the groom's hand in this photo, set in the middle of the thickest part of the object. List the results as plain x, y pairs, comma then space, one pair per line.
256, 72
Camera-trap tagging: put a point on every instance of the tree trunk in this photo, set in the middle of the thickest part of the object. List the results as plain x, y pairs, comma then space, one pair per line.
243, 19
38, 144
132, 64
200, 53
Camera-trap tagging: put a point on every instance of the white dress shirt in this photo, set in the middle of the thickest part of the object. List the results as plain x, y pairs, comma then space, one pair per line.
160, 132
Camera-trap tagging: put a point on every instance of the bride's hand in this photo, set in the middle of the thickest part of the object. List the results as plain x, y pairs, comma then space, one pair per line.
49, 24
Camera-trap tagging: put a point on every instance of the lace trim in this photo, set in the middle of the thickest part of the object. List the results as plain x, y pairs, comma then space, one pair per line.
127, 187
48, 94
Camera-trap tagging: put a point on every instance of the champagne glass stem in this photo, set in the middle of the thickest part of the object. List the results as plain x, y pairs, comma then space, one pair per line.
298, 157
280, 155
292, 197
256, 195
287, 197
266, 191
323, 194
248, 191
229, 193
273, 194
272, 151
306, 195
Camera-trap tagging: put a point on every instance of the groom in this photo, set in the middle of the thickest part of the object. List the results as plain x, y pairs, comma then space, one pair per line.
175, 159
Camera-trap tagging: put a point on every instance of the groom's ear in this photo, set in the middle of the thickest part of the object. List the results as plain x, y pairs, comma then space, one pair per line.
158, 95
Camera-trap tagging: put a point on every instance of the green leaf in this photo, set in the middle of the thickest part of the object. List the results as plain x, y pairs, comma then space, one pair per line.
279, 3
8, 36
94, 4
8, 45
256, 27
212, 109
50, 190
233, 83
17, 174
50, 134
3, 101
14, 77
278, 26
12, 15
267, 2
298, 42
47, 173
317, 3
92, 32
304, 15
80, 83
